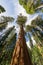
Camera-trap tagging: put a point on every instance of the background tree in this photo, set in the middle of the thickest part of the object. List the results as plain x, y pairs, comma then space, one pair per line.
2, 9
7, 39
7, 43
37, 56
36, 29
4, 21
31, 6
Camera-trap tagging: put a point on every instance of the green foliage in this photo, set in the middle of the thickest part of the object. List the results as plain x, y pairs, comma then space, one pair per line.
4, 21
2, 26
29, 28
2, 9
31, 6
37, 21
5, 35
36, 28
23, 2
21, 19
7, 47
7, 19
7, 39
42, 10
37, 58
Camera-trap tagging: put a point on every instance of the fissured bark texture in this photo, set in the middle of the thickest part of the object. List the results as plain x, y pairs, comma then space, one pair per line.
20, 54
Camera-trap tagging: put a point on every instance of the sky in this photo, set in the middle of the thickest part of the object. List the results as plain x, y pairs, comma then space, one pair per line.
9, 7
13, 8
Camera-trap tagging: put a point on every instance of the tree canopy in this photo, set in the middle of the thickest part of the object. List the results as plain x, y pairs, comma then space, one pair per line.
21, 19
2, 9
4, 21
31, 6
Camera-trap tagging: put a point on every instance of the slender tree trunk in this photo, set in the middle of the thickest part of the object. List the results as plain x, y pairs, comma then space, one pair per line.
31, 43
20, 54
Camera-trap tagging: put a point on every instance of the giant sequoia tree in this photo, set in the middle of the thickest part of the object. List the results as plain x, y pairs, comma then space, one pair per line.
20, 54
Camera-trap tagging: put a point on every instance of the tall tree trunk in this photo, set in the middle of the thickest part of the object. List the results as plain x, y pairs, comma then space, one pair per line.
20, 54
31, 43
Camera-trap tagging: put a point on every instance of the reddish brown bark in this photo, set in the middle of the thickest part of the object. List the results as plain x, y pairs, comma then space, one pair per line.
20, 54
